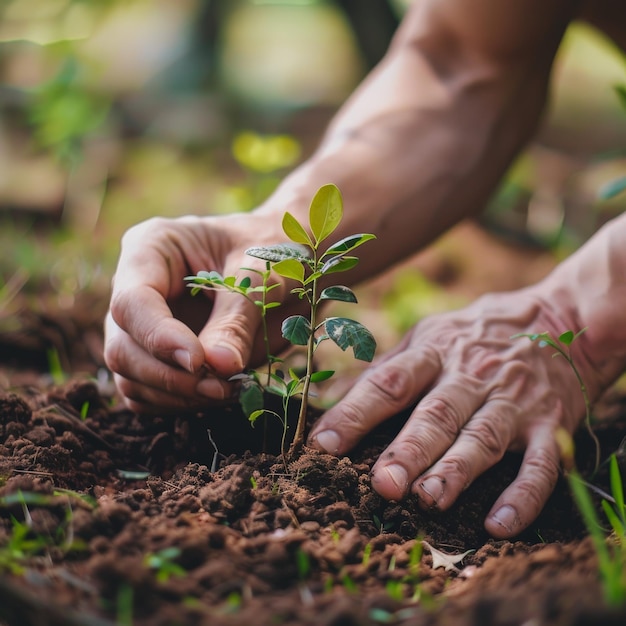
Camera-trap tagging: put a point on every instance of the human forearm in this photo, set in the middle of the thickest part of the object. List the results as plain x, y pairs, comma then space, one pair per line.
425, 139
589, 289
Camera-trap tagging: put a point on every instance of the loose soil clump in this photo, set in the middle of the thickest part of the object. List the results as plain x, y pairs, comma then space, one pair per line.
128, 519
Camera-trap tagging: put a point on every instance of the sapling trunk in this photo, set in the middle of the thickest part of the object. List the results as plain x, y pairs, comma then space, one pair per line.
298, 438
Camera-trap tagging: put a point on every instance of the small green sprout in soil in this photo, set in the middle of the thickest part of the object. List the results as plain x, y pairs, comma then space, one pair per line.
164, 564
23, 543
562, 345
612, 554
306, 262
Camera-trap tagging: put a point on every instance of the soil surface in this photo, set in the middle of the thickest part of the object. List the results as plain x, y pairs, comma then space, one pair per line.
107, 517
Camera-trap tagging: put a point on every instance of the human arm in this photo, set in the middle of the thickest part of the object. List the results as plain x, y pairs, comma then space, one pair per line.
419, 146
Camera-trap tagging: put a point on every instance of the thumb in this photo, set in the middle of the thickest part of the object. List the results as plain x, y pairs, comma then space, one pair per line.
228, 337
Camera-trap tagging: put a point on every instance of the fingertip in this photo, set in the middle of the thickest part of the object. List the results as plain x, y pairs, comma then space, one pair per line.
390, 481
326, 441
504, 522
223, 360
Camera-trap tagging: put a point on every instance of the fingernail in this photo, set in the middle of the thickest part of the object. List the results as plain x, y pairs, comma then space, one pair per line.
211, 388
328, 440
506, 516
226, 358
433, 487
183, 358
398, 476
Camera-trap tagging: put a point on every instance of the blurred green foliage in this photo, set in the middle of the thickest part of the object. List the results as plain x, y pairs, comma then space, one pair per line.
112, 112
63, 112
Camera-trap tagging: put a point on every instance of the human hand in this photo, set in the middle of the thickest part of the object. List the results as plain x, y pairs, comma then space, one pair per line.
168, 350
479, 393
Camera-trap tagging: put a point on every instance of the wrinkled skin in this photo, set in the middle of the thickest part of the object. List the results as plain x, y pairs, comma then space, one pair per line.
419, 146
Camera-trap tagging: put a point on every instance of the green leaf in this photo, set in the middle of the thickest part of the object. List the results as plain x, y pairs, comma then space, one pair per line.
278, 252
210, 276
250, 398
272, 305
277, 391
318, 377
347, 333
290, 268
616, 486
567, 337
612, 188
614, 520
339, 293
245, 282
292, 386
339, 264
310, 278
297, 330
325, 212
132, 475
254, 416
294, 230
348, 244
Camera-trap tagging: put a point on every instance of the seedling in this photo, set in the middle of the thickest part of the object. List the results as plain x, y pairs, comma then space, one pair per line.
562, 345
611, 563
164, 564
305, 262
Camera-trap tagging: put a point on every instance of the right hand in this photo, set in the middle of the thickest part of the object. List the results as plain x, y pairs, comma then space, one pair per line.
166, 349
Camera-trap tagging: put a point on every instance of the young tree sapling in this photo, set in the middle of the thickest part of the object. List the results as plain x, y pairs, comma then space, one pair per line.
305, 261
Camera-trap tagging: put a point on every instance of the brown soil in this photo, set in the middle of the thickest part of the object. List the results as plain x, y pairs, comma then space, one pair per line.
254, 543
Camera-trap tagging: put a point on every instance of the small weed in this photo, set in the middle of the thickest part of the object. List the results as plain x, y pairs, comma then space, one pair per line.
164, 564
20, 547
23, 543
611, 555
381, 526
55, 368
367, 553
395, 590
348, 584
562, 345
303, 563
84, 410
124, 605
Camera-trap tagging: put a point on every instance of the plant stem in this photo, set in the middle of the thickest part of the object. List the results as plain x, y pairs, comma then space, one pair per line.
298, 437
583, 389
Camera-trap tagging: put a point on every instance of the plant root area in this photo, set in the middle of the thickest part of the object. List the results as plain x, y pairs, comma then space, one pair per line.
108, 517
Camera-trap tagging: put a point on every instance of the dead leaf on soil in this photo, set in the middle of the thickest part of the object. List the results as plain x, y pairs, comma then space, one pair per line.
445, 560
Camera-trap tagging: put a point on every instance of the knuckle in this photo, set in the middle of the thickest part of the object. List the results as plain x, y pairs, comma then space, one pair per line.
442, 411
413, 448
458, 466
528, 492
113, 354
121, 300
394, 384
542, 465
353, 418
490, 436
168, 380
